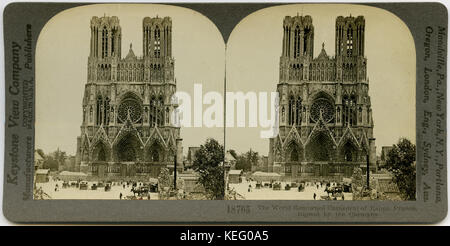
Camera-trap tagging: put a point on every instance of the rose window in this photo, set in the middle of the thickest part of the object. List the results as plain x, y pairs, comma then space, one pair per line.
322, 107
132, 108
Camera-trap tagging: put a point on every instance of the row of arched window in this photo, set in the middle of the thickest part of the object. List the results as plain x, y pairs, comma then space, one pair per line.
125, 74
296, 72
157, 111
157, 43
317, 72
360, 34
104, 72
103, 110
349, 110
300, 43
108, 39
322, 71
156, 73
154, 37
104, 42
349, 72
130, 72
352, 41
128, 65
295, 111
294, 43
347, 45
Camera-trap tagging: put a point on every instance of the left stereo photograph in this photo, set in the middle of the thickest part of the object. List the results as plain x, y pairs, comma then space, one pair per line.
111, 80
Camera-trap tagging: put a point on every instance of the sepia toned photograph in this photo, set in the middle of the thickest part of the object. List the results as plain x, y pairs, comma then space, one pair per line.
319, 105
235, 113
343, 127
106, 112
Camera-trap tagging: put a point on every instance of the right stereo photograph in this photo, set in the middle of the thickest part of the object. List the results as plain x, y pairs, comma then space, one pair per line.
320, 105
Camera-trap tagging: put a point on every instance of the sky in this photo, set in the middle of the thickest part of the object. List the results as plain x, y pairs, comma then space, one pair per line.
252, 64
254, 49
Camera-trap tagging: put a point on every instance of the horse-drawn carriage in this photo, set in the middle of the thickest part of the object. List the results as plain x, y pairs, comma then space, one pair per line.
287, 187
276, 186
74, 184
335, 191
140, 191
108, 186
153, 187
83, 185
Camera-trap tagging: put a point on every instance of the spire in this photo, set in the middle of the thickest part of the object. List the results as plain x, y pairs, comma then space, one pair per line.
131, 54
323, 53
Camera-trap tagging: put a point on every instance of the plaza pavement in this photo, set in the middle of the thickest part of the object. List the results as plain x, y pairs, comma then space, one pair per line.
270, 194
99, 194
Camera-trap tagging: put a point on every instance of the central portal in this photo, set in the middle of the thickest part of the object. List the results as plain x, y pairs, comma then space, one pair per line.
128, 149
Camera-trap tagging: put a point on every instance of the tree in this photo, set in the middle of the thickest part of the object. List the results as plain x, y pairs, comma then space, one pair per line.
242, 163
233, 153
41, 153
50, 163
247, 160
401, 162
252, 158
208, 163
60, 157
164, 183
54, 160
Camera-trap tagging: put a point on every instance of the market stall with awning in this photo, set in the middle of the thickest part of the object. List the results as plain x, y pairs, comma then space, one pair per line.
71, 176
265, 176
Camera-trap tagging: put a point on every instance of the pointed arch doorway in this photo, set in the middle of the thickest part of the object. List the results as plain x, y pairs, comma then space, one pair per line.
128, 151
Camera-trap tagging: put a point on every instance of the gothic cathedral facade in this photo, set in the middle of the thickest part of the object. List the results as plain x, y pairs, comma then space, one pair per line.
127, 128
325, 115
